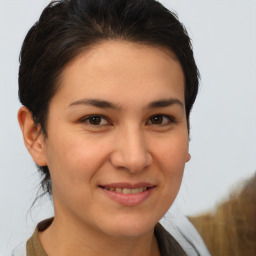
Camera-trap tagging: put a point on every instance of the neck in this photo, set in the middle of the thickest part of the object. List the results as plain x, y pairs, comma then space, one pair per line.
66, 237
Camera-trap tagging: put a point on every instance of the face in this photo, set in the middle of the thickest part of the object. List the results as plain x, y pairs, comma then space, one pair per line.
117, 138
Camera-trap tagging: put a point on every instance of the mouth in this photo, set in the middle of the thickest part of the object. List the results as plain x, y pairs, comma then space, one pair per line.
128, 194
127, 190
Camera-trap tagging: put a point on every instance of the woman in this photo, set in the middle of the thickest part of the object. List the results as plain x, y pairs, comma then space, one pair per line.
107, 88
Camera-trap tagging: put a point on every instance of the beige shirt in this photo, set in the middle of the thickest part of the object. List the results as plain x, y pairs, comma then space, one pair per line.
34, 247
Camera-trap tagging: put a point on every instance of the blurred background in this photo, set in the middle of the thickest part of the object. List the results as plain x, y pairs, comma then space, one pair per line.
223, 121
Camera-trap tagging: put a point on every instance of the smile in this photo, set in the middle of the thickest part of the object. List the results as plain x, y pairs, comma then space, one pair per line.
128, 194
127, 190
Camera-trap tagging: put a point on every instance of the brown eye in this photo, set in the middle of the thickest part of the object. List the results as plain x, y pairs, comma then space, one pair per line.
94, 120
156, 119
161, 120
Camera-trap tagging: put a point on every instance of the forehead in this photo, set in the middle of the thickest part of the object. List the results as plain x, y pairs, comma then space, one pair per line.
112, 68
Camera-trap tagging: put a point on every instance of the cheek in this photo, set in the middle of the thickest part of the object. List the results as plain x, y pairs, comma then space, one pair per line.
172, 153
75, 160
173, 165
73, 165
172, 156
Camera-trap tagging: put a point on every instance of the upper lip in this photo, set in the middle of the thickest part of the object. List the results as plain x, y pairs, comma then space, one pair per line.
127, 185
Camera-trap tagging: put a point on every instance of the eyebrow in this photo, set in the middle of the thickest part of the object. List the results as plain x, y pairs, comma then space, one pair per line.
165, 103
106, 104
95, 102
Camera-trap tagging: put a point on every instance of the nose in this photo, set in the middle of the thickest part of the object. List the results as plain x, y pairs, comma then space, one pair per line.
131, 151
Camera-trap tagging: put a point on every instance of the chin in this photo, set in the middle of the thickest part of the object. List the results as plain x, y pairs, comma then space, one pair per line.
131, 226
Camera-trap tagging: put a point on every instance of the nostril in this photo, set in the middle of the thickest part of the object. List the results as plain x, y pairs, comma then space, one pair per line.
131, 153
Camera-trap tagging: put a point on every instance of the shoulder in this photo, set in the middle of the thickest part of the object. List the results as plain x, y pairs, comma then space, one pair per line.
20, 250
184, 233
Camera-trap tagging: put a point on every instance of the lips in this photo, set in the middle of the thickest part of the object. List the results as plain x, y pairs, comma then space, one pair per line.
128, 194
127, 190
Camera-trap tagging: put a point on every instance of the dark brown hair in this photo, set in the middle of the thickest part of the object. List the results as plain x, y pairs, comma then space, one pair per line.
68, 27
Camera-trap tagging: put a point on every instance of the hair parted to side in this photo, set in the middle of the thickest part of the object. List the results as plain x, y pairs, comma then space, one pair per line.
68, 27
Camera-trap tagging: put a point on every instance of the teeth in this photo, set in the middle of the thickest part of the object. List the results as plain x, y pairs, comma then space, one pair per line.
119, 190
137, 190
127, 190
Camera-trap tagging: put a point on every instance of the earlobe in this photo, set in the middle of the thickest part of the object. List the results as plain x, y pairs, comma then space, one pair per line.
33, 139
188, 157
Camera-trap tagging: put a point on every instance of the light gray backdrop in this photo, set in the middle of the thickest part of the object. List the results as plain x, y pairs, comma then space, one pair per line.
223, 134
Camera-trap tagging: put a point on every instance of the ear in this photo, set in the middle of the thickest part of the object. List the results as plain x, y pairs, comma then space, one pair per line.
34, 140
188, 157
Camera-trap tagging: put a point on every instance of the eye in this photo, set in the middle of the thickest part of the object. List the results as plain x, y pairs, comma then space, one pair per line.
161, 120
95, 120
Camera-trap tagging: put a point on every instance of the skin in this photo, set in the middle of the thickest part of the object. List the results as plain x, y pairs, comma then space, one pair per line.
130, 144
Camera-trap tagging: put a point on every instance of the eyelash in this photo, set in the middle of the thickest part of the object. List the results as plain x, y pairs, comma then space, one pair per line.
170, 119
86, 119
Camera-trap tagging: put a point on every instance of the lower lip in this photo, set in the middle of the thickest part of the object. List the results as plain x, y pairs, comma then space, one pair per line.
128, 199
